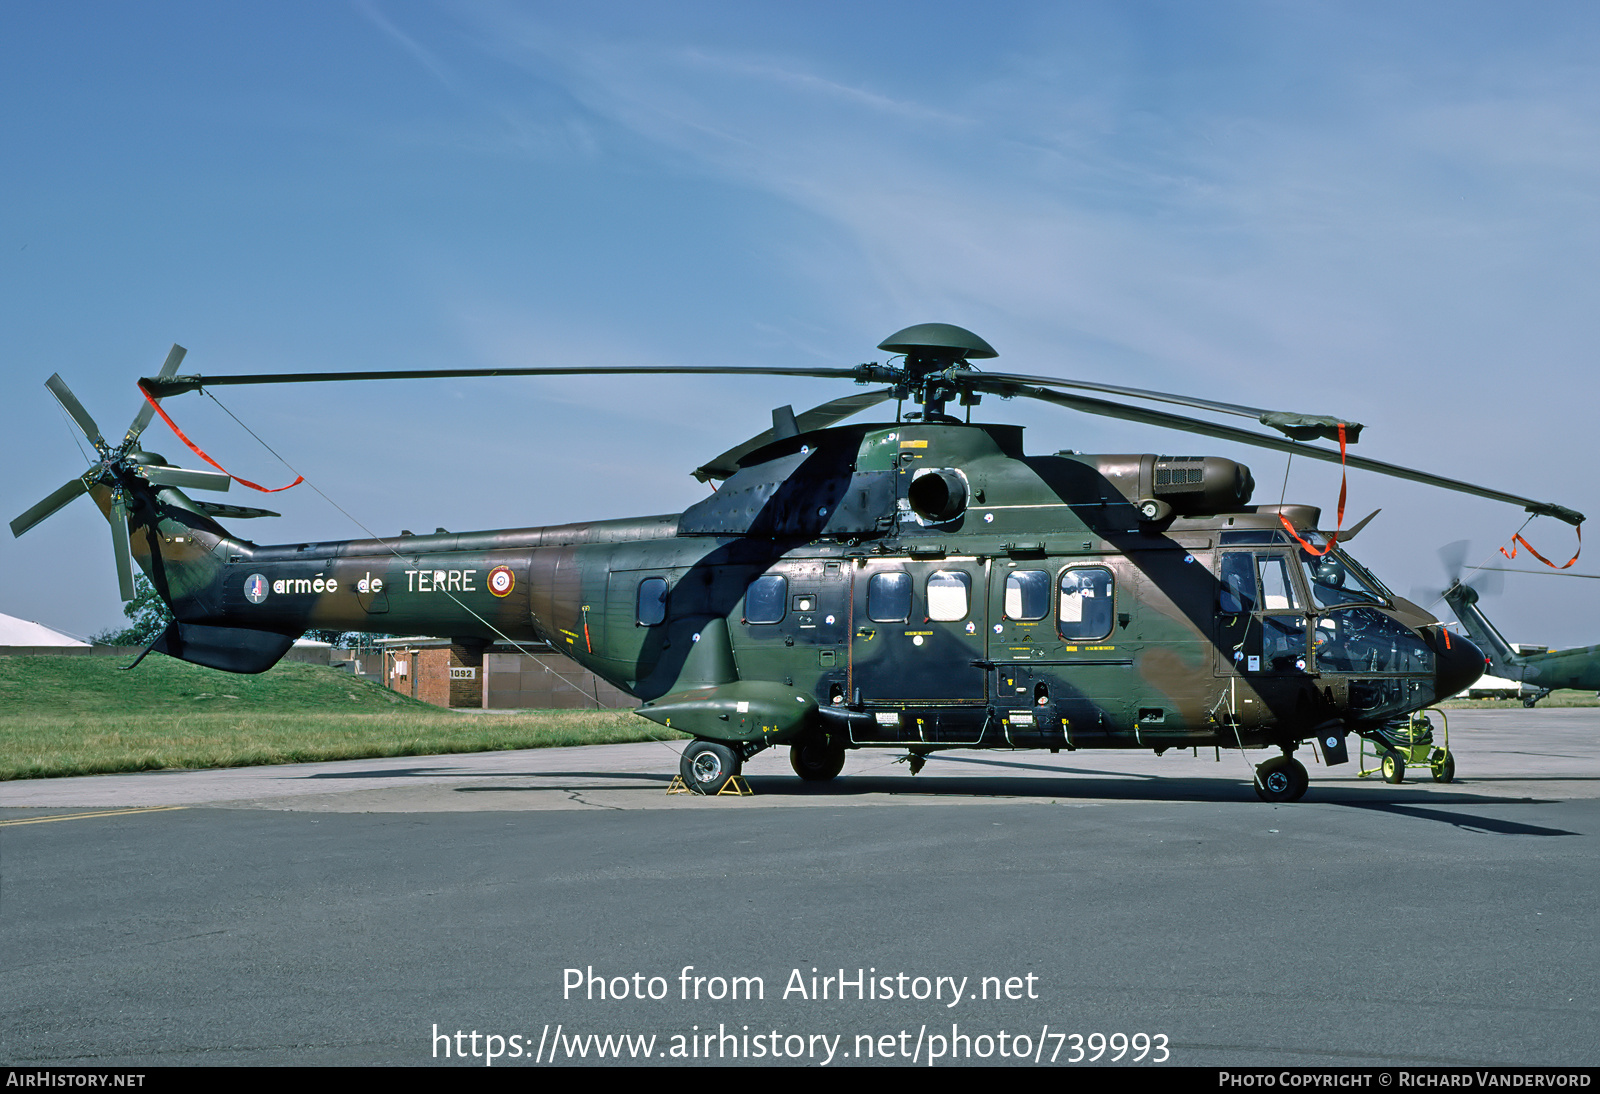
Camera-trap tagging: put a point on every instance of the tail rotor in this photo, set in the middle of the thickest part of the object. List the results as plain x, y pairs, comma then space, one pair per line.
120, 469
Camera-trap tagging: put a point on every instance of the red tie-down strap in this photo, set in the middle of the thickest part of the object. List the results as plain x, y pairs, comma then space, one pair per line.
196, 450
1343, 490
1517, 538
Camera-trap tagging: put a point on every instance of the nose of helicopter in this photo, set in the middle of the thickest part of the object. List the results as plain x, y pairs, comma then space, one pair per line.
1459, 662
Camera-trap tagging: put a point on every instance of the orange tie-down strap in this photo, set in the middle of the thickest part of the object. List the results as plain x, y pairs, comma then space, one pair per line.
1517, 538
1344, 486
196, 450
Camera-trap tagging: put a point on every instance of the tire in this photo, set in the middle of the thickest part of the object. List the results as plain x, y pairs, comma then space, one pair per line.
1281, 779
1394, 768
816, 761
1445, 770
706, 766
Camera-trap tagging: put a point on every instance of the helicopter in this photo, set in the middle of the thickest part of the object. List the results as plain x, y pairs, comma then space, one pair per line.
1539, 670
920, 584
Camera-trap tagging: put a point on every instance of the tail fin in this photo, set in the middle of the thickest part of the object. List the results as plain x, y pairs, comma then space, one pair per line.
1503, 660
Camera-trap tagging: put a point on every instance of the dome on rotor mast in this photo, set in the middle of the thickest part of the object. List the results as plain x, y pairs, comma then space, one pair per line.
938, 340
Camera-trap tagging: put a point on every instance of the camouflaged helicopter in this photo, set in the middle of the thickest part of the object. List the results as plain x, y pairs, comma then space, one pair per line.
1539, 669
920, 584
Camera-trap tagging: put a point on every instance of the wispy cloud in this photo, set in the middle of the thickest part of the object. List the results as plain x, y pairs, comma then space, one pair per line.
373, 13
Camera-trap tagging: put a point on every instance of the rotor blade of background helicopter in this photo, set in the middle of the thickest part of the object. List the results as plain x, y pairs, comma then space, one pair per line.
1229, 433
1302, 427
1543, 573
185, 479
146, 411
119, 544
69, 402
56, 500
819, 417
158, 387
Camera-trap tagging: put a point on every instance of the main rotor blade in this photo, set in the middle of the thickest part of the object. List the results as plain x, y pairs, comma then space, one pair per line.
1542, 573
820, 417
146, 412
1004, 386
176, 385
119, 544
1302, 427
69, 402
185, 479
57, 499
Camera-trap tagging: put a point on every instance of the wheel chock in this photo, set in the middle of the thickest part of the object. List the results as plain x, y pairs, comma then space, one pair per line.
736, 787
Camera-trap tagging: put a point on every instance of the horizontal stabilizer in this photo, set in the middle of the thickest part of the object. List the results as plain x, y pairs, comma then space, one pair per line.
232, 512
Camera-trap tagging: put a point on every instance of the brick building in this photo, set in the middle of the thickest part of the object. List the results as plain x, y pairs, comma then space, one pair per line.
494, 677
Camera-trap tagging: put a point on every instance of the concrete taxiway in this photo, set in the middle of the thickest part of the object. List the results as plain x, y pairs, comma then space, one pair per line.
355, 912
1501, 754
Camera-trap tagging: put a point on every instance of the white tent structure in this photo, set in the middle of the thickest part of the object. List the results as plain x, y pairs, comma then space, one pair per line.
20, 632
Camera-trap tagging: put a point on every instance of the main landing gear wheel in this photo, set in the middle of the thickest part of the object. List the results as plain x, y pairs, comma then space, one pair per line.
1394, 768
706, 766
816, 761
1281, 779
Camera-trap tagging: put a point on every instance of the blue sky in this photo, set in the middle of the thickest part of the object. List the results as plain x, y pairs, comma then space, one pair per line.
1387, 212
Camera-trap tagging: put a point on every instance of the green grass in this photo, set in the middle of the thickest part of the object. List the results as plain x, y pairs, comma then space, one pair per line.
87, 715
1561, 698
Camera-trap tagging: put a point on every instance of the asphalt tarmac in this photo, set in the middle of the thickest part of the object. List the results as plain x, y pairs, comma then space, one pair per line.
998, 908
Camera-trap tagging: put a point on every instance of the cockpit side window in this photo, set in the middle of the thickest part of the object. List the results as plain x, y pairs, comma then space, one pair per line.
1236, 589
1278, 591
1334, 580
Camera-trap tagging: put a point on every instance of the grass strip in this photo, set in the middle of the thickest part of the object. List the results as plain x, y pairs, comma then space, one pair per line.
84, 715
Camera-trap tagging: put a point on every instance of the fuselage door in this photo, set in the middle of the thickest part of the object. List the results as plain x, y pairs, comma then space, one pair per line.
1261, 624
919, 631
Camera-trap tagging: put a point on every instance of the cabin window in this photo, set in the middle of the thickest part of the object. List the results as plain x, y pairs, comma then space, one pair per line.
764, 601
949, 593
1086, 603
1027, 595
889, 597
652, 601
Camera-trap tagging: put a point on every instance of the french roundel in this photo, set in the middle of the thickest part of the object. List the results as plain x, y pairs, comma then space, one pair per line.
502, 581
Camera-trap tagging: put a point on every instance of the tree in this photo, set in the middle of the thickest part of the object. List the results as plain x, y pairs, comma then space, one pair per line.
345, 640
147, 613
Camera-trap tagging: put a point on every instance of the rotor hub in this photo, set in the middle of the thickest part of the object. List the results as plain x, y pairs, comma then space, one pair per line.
932, 350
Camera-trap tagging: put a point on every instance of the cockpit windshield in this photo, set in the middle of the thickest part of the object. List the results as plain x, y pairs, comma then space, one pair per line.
1335, 578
